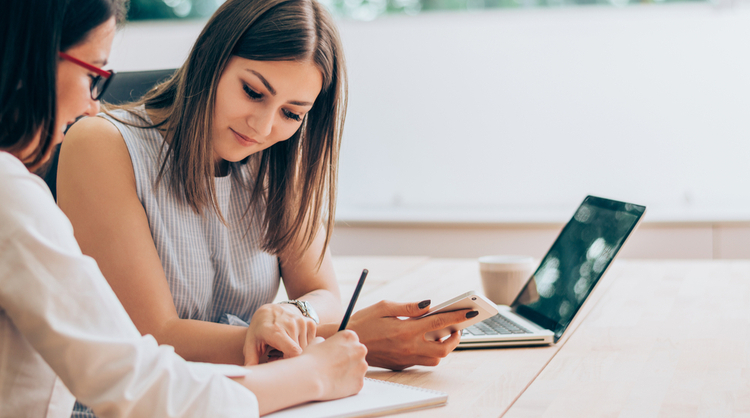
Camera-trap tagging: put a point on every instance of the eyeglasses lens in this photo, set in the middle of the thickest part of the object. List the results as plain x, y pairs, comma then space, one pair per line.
97, 87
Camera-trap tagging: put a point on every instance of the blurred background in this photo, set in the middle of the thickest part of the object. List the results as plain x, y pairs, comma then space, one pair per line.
478, 126
366, 9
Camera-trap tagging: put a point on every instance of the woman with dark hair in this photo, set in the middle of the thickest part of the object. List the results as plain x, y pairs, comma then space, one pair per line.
63, 332
197, 200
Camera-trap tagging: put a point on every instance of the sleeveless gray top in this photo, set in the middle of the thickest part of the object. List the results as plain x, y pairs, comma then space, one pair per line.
216, 272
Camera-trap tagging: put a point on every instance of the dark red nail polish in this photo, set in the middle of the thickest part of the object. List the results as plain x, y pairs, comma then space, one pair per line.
471, 314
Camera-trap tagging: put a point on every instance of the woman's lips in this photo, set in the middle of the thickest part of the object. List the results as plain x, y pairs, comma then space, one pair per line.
242, 139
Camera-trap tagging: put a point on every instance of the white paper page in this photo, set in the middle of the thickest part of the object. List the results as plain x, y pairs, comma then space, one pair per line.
376, 398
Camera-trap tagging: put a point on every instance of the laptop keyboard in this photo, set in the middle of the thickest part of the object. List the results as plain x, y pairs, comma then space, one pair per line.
496, 325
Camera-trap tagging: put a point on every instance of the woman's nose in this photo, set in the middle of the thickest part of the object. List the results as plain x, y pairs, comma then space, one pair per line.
262, 123
93, 108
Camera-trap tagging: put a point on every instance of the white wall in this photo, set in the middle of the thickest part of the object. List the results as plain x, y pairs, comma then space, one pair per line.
512, 110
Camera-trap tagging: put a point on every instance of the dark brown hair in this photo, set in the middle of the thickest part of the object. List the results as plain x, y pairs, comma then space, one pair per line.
81, 16
29, 42
295, 180
32, 32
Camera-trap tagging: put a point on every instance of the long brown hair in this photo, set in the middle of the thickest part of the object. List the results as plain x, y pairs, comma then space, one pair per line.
295, 180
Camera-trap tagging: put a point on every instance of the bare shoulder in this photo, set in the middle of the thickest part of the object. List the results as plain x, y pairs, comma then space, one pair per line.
94, 146
91, 135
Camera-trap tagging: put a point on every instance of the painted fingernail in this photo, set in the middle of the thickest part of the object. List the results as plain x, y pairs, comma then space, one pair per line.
471, 314
425, 303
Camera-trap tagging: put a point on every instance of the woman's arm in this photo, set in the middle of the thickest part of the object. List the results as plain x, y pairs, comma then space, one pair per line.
97, 191
305, 280
54, 303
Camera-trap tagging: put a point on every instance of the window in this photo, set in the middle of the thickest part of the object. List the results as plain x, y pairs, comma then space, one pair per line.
365, 9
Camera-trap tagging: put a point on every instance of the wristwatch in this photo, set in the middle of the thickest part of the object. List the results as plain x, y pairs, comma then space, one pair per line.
305, 307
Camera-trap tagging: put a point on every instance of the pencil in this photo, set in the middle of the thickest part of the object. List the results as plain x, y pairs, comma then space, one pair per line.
353, 301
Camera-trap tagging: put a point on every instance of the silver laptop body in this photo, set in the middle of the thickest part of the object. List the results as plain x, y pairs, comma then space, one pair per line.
565, 278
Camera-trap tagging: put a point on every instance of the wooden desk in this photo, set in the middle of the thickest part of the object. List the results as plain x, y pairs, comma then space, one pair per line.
480, 383
669, 339
656, 338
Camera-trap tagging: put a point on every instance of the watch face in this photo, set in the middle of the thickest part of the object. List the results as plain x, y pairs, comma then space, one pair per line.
308, 311
304, 307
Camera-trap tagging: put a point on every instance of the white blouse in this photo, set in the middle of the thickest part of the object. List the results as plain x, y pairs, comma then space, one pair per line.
63, 332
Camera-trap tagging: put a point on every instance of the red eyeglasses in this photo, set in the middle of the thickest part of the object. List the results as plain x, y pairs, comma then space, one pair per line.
100, 82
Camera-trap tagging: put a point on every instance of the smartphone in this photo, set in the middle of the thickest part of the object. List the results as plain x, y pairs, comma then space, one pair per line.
469, 300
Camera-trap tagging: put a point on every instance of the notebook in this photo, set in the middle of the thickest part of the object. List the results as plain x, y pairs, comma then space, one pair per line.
565, 278
376, 398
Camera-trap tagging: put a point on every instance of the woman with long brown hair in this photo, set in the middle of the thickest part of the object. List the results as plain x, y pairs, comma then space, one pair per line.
198, 199
63, 332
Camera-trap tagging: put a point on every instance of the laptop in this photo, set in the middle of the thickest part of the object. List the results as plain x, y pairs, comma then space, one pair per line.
565, 278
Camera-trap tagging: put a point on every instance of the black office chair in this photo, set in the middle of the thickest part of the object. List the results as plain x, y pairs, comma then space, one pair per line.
130, 86
125, 87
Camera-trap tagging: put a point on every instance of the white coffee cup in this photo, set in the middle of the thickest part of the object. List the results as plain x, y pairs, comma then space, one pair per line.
503, 276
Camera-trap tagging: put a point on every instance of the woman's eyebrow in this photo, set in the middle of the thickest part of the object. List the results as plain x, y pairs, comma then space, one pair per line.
263, 80
272, 90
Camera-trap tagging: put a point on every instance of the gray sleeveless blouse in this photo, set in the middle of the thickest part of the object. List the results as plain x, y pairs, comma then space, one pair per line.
216, 272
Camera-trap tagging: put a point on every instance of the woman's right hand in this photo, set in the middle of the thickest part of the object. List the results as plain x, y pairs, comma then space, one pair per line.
339, 362
330, 369
281, 327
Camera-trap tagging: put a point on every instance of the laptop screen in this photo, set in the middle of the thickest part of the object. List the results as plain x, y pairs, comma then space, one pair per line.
577, 260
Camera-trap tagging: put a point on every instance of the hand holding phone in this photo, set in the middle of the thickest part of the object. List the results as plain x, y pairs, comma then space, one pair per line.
469, 300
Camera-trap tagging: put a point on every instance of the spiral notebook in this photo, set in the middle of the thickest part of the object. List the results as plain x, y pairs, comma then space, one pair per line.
376, 398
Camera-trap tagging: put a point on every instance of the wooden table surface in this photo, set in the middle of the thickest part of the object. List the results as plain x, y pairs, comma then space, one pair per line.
668, 339
655, 339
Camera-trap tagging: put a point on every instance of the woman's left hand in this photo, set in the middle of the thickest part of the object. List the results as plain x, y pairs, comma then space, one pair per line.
277, 326
396, 344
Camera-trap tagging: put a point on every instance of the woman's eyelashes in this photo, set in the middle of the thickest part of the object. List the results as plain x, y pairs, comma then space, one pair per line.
252, 94
292, 116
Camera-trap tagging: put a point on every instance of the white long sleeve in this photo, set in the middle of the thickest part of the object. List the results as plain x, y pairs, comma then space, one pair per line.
59, 317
